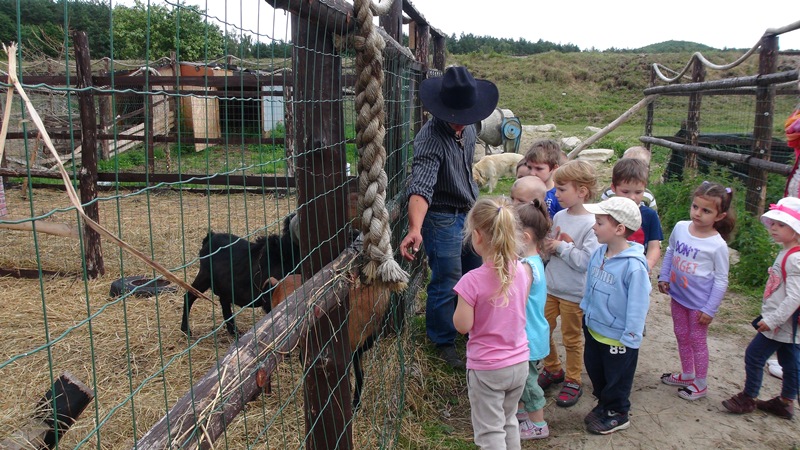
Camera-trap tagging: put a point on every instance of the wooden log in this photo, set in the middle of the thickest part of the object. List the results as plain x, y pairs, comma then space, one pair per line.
55, 413
88, 174
727, 83
612, 126
199, 417
57, 229
717, 155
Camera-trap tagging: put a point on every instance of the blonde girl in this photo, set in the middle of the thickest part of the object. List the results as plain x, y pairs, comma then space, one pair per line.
491, 308
570, 249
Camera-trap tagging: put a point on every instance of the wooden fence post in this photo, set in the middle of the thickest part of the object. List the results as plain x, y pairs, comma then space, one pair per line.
439, 52
88, 173
651, 108
55, 413
421, 53
321, 196
693, 117
393, 95
762, 126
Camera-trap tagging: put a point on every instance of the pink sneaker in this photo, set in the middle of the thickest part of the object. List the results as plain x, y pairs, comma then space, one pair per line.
675, 379
528, 430
692, 392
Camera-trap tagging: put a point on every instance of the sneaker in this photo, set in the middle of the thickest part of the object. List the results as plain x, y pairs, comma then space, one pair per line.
450, 356
595, 414
528, 430
777, 407
675, 379
740, 404
692, 392
774, 368
609, 422
547, 378
569, 395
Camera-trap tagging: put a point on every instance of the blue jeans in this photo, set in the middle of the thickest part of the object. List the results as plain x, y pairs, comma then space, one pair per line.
448, 259
756, 355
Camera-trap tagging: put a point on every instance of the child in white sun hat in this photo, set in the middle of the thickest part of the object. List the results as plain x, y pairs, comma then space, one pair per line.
777, 324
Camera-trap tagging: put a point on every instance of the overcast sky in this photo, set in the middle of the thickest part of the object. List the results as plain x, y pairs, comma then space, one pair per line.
587, 24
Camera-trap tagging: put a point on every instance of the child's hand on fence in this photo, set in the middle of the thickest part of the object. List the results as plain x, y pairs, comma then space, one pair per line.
663, 287
704, 319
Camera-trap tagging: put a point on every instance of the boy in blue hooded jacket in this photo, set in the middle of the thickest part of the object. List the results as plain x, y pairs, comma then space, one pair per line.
614, 304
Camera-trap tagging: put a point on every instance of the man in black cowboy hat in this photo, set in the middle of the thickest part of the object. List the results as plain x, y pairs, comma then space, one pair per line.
442, 191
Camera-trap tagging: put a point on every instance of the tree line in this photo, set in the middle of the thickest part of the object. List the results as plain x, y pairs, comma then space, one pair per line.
43, 28
469, 43
139, 31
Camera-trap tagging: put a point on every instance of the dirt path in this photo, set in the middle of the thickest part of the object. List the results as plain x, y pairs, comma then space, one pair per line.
660, 419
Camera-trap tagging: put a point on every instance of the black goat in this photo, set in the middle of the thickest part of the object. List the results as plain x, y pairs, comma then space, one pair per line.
238, 271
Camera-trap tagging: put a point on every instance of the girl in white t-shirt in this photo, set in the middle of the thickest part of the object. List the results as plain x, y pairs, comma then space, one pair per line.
491, 308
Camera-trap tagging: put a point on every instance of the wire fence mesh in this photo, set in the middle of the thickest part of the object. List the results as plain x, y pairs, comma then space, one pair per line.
189, 127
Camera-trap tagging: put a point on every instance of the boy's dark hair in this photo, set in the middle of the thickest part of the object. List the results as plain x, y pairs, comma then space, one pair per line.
628, 170
723, 197
628, 231
545, 151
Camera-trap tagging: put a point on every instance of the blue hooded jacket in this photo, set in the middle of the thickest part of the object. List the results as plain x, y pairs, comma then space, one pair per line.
617, 294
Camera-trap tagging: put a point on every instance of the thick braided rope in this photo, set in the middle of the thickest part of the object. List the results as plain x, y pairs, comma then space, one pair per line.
370, 132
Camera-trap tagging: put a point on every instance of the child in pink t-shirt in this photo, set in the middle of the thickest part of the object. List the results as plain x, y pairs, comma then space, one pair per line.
491, 308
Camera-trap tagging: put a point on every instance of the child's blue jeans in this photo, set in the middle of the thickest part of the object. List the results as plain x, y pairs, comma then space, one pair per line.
756, 355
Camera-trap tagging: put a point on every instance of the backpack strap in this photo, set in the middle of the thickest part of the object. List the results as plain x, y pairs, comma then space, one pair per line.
796, 314
794, 249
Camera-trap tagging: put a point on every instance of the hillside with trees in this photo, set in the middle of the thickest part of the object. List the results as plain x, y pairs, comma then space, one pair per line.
151, 30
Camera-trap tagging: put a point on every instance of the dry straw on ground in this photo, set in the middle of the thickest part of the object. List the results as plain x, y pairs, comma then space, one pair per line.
131, 349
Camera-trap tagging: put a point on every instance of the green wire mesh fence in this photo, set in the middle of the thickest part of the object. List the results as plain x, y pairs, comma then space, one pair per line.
203, 126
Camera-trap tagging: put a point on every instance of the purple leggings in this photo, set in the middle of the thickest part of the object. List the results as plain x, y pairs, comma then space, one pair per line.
691, 336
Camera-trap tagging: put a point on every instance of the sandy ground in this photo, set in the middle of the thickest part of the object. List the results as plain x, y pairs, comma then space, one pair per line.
659, 418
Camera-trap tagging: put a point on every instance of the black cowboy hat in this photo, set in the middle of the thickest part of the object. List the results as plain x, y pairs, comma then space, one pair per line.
459, 98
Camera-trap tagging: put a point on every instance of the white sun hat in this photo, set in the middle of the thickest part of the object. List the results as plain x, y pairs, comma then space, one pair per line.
622, 209
787, 211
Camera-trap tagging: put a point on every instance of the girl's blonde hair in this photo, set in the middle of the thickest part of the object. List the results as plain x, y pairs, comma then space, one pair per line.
581, 174
497, 220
